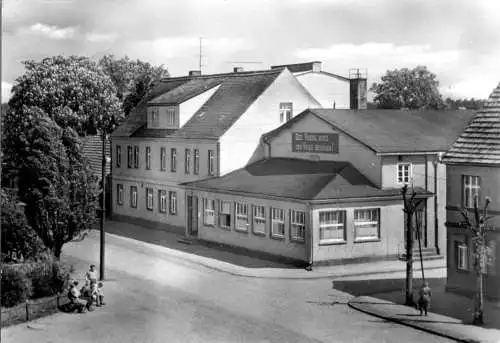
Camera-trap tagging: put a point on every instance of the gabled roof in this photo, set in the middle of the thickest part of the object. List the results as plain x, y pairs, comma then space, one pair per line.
393, 131
479, 143
297, 179
335, 76
236, 93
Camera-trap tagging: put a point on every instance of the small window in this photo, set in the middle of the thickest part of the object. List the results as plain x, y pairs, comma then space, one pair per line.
173, 160
196, 162
211, 162
462, 256
187, 161
133, 196
154, 117
366, 224
277, 222
163, 158
332, 227
149, 199
136, 156
298, 225
162, 200
173, 202
119, 194
225, 214
241, 217
148, 158
208, 211
286, 111
118, 156
404, 172
259, 219
170, 116
130, 157
471, 187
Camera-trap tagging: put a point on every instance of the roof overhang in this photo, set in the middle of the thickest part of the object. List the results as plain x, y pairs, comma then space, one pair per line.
410, 153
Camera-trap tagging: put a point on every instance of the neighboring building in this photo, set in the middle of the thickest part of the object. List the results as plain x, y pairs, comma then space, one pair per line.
192, 128
326, 186
92, 150
473, 168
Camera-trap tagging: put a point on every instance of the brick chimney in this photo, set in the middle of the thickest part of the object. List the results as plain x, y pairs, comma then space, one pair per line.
358, 79
237, 69
194, 72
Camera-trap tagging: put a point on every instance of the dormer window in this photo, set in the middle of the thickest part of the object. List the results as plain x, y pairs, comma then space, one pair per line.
154, 117
170, 116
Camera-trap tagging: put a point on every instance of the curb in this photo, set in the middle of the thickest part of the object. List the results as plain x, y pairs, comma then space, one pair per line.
405, 323
206, 262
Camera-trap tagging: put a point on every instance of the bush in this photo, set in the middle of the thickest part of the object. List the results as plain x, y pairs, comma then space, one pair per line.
16, 286
49, 278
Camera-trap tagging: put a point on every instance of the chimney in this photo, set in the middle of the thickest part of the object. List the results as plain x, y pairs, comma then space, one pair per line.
237, 69
358, 88
194, 72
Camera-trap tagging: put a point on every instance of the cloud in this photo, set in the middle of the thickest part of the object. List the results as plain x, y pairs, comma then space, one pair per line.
53, 32
101, 37
6, 87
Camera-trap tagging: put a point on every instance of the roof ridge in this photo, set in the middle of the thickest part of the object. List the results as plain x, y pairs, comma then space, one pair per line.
230, 74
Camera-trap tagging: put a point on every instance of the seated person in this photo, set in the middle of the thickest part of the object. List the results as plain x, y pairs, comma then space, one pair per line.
74, 298
86, 293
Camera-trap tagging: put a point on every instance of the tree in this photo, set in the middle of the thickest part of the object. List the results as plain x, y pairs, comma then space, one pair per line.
53, 177
477, 224
19, 240
469, 104
132, 79
408, 88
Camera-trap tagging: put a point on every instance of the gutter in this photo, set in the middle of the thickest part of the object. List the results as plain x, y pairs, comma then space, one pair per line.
266, 142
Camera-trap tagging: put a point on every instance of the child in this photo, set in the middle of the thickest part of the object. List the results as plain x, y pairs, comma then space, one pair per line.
86, 293
91, 275
100, 294
424, 301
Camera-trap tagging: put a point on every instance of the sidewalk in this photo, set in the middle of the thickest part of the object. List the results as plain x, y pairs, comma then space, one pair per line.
434, 323
240, 264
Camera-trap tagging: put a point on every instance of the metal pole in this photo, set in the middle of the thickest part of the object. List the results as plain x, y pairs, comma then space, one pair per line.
103, 208
420, 247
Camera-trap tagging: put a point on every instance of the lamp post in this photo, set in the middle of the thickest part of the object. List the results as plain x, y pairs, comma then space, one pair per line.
103, 207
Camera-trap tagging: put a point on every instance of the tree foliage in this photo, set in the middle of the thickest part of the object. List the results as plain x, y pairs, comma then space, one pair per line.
132, 79
408, 88
73, 91
469, 104
53, 177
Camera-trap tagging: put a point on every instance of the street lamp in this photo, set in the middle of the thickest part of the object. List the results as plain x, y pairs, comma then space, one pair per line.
103, 207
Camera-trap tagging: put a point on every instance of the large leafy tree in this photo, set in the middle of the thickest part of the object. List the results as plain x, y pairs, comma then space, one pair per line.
53, 178
408, 88
132, 78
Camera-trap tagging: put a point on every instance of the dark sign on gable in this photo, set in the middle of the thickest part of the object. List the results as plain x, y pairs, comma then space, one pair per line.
325, 143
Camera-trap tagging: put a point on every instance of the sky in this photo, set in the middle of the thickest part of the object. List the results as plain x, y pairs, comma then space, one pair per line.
458, 40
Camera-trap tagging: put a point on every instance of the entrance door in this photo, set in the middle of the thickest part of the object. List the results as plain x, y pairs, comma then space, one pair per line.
192, 215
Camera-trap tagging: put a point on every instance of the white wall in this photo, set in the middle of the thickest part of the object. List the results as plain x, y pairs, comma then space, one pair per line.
189, 107
327, 89
239, 142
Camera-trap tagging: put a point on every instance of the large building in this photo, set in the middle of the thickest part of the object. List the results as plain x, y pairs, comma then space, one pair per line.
326, 186
473, 169
196, 127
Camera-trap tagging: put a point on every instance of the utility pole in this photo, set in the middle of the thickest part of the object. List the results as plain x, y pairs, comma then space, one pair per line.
103, 207
201, 39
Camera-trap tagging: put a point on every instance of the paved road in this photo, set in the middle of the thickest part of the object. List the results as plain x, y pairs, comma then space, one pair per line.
154, 298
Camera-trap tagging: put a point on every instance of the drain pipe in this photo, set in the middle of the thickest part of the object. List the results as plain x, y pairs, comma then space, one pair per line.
436, 197
266, 142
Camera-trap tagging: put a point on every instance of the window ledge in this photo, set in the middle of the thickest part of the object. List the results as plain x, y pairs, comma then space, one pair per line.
208, 225
262, 234
297, 240
332, 243
241, 230
149, 209
278, 237
227, 228
371, 240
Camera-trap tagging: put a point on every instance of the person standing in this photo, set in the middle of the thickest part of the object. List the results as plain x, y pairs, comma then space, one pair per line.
424, 301
91, 275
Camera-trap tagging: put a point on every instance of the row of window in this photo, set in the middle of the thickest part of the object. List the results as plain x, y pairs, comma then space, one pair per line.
133, 159
154, 117
163, 204
332, 224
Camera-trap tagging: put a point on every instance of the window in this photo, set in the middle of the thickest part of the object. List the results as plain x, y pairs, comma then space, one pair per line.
187, 162
471, 187
366, 224
242, 217
404, 172
133, 196
130, 157
118, 156
162, 200
259, 219
171, 116
149, 199
211, 166
119, 194
208, 211
163, 158
286, 111
332, 226
173, 160
196, 167
155, 117
136, 156
298, 225
278, 222
461, 256
148, 157
225, 214
173, 202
